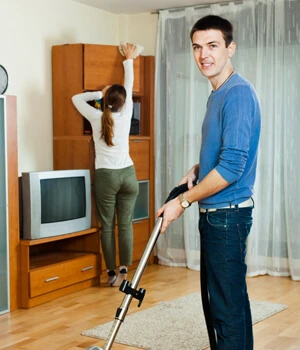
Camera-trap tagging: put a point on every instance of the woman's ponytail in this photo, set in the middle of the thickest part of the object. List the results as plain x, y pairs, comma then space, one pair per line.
113, 101
107, 125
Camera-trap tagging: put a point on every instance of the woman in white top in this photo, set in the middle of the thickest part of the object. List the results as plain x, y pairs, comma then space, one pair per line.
116, 186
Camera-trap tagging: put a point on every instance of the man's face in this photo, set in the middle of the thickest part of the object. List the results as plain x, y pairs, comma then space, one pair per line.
211, 54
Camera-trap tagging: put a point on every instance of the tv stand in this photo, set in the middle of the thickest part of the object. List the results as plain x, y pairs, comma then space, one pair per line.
56, 266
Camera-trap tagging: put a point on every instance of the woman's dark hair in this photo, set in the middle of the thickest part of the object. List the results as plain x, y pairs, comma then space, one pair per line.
113, 101
214, 22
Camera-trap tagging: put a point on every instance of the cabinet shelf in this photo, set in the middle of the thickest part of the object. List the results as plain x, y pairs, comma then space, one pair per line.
55, 266
139, 137
41, 260
32, 242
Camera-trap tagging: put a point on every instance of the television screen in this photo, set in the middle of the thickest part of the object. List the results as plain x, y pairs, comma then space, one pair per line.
62, 199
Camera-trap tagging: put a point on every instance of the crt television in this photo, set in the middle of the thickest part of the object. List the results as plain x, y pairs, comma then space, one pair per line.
55, 202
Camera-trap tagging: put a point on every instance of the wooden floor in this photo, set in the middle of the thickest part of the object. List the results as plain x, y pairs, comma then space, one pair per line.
58, 324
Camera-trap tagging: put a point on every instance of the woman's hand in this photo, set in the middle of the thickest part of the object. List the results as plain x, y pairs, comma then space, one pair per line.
105, 89
128, 50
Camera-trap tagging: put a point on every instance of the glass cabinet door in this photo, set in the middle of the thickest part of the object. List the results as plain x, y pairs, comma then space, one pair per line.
4, 267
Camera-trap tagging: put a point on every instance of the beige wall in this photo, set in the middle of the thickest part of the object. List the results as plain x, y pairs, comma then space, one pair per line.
30, 29
140, 29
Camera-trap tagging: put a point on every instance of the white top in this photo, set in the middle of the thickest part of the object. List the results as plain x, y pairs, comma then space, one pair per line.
117, 156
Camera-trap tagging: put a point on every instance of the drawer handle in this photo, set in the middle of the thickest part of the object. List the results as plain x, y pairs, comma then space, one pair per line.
137, 140
137, 222
87, 268
51, 279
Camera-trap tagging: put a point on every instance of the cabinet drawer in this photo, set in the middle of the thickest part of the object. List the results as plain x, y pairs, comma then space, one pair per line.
103, 65
140, 154
60, 275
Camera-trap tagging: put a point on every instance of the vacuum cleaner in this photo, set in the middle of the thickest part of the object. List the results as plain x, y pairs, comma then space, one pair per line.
131, 288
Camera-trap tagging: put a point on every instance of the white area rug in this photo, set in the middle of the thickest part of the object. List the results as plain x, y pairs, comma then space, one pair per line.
176, 324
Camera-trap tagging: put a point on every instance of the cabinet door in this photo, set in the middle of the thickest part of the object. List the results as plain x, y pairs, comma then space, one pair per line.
103, 66
140, 154
74, 153
67, 80
141, 236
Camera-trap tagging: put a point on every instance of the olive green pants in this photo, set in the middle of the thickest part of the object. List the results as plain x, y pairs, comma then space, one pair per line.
116, 191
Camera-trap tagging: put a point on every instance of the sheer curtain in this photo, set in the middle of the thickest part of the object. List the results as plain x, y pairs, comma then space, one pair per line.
267, 33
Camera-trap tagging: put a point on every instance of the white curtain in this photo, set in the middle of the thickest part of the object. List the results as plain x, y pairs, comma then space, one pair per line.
267, 33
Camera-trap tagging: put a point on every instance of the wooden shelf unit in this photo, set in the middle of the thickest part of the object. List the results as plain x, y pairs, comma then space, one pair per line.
56, 266
83, 67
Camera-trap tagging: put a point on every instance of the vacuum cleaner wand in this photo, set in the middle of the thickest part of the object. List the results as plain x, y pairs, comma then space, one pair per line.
130, 288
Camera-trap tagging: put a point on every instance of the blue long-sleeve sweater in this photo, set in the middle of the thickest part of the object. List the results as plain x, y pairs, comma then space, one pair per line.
230, 136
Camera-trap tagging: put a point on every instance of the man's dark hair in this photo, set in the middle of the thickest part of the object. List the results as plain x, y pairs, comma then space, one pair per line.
214, 22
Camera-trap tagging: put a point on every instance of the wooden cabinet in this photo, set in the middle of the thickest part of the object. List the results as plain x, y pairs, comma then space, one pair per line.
56, 266
74, 153
79, 67
102, 65
140, 155
83, 67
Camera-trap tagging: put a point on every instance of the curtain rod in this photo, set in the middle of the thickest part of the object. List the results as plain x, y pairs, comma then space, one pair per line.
178, 8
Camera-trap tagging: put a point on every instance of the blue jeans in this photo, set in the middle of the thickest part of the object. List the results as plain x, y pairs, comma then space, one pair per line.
223, 239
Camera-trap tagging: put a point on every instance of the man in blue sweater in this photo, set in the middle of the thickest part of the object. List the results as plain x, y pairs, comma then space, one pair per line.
225, 178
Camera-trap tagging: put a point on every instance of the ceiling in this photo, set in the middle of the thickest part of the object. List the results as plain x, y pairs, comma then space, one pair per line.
142, 6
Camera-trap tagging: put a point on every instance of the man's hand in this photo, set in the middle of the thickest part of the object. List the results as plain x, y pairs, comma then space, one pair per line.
128, 50
191, 177
171, 211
